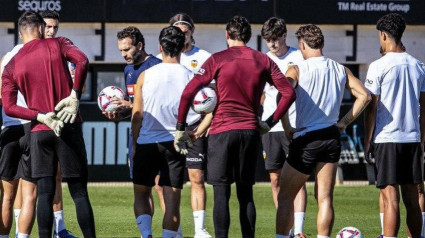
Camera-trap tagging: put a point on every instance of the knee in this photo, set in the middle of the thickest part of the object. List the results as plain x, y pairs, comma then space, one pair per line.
196, 177
324, 200
274, 177
8, 196
244, 192
411, 203
158, 189
197, 184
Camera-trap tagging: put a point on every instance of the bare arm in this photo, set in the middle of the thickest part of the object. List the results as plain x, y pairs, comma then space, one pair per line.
201, 130
76, 56
370, 120
263, 97
357, 89
137, 112
292, 75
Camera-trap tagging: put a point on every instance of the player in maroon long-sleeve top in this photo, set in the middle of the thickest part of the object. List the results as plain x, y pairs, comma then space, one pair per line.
40, 72
234, 141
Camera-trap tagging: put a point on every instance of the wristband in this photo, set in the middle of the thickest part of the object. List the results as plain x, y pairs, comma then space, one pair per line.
270, 122
180, 126
78, 93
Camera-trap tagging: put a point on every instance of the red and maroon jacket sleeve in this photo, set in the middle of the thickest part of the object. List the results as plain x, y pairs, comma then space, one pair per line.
202, 78
285, 89
76, 56
9, 93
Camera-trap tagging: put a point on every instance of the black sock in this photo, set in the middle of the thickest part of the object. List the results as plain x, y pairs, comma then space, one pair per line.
221, 210
247, 213
45, 192
78, 191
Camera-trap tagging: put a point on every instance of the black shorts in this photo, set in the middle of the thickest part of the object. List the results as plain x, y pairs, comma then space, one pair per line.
197, 154
276, 148
323, 145
151, 159
232, 157
69, 150
398, 163
15, 159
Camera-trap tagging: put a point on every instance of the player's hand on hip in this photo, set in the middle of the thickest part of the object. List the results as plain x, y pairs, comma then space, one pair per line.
67, 108
182, 142
51, 121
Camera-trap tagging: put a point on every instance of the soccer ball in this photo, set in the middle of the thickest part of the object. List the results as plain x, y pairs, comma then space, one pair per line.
349, 232
105, 96
204, 101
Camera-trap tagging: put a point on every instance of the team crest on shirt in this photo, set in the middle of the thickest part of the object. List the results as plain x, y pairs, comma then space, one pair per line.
194, 63
201, 71
130, 90
291, 63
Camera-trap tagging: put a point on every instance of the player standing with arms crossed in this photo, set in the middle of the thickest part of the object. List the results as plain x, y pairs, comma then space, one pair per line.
395, 124
234, 140
315, 147
40, 69
275, 143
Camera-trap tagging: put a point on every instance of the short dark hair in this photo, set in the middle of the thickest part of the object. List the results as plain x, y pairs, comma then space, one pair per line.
50, 14
172, 40
273, 28
392, 24
185, 19
312, 36
239, 28
134, 34
30, 20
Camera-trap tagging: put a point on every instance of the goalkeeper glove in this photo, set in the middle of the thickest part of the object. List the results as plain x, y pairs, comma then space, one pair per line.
67, 108
51, 121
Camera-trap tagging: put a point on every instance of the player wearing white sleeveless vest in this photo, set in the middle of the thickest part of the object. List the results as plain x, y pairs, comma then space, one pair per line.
275, 143
153, 122
394, 123
160, 106
315, 147
321, 84
193, 58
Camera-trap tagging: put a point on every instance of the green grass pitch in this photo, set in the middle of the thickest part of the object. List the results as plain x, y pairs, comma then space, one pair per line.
113, 210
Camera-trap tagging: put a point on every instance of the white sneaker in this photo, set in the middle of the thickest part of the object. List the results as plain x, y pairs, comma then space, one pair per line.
203, 233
